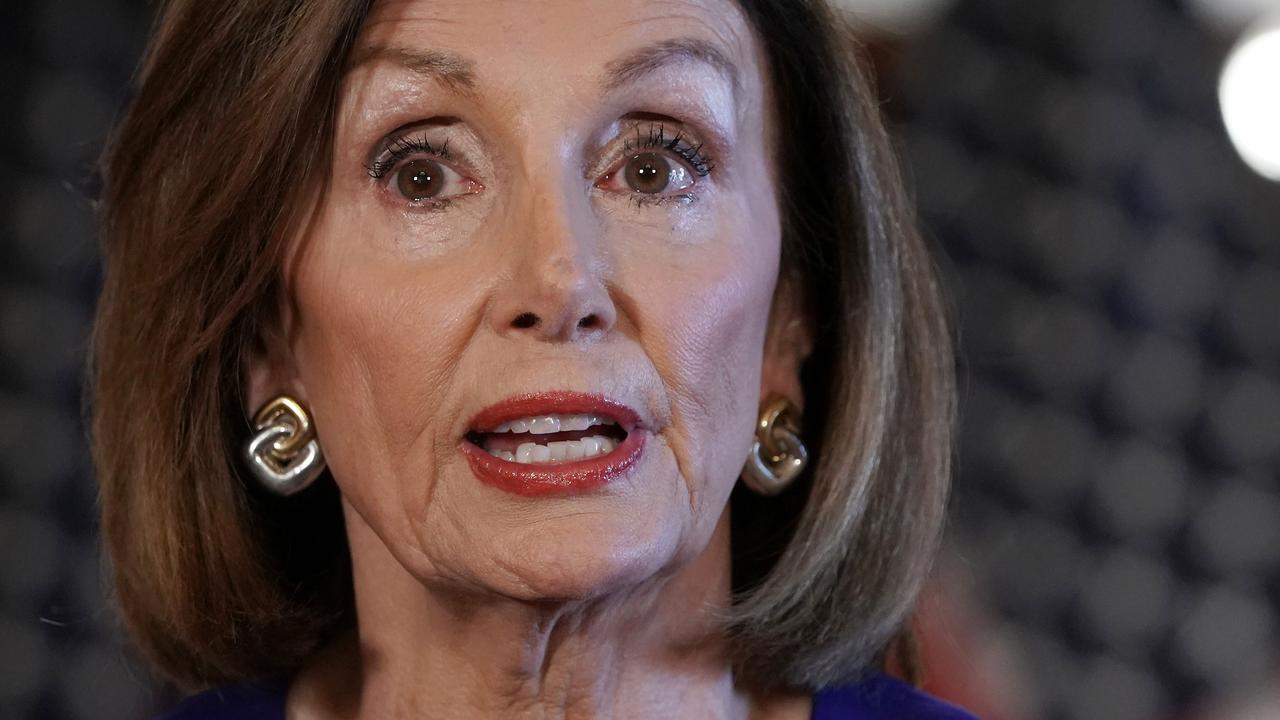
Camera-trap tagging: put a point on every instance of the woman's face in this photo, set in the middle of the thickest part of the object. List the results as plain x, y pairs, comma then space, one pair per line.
537, 209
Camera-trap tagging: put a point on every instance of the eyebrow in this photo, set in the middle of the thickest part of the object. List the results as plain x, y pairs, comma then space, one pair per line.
458, 73
649, 59
453, 71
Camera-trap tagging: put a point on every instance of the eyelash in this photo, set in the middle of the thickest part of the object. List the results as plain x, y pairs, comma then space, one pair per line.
656, 138
400, 149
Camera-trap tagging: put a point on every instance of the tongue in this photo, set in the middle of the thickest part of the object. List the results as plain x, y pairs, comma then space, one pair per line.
511, 441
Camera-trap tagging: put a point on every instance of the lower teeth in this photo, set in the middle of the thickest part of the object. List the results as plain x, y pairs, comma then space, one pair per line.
531, 453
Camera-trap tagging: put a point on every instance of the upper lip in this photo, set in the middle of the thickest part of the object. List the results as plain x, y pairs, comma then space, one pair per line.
556, 402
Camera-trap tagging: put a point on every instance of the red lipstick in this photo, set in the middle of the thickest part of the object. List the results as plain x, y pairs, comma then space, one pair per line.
558, 477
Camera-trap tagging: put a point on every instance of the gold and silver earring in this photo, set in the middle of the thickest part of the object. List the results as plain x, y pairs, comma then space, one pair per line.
284, 454
777, 455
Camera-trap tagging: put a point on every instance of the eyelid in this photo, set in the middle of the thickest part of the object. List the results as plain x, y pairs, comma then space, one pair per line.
681, 143
398, 150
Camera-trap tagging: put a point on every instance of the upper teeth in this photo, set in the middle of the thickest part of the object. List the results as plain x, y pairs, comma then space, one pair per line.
546, 424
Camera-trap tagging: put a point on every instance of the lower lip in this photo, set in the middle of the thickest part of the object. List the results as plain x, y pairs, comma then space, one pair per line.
569, 476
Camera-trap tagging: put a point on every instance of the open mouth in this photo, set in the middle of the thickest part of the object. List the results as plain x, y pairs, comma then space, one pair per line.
551, 438
553, 443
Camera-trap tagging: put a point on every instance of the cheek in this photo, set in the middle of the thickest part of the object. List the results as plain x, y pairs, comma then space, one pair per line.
377, 342
707, 307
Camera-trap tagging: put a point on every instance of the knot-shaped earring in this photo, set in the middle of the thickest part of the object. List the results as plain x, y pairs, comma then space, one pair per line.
777, 455
284, 454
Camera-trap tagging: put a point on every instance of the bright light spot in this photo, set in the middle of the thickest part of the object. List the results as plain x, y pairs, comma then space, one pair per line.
1250, 95
895, 16
1233, 16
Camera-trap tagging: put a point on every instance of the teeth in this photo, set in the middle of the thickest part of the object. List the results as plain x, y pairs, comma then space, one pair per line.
546, 424
587, 447
578, 422
533, 453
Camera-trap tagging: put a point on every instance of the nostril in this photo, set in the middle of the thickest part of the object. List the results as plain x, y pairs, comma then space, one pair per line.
589, 321
525, 320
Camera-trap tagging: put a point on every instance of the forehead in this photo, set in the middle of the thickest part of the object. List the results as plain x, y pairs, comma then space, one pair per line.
547, 43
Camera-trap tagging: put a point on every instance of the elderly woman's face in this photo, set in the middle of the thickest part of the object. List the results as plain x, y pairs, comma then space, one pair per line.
532, 306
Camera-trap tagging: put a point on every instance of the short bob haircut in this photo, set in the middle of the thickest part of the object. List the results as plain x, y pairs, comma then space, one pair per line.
219, 582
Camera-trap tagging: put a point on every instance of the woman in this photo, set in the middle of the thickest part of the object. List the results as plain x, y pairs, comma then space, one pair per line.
436, 335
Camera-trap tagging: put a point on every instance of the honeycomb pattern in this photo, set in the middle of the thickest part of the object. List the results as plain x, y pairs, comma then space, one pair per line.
1117, 277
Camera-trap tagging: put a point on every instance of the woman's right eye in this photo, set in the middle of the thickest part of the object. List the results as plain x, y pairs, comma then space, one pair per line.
419, 173
426, 181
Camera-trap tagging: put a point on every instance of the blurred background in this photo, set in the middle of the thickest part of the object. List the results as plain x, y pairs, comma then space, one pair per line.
1096, 184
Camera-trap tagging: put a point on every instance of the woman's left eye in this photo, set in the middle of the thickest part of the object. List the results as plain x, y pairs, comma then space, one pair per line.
649, 173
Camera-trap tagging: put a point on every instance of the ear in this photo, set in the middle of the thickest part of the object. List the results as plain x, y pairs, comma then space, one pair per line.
270, 368
788, 343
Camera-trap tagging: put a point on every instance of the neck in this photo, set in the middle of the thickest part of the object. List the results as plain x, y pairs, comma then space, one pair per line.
654, 650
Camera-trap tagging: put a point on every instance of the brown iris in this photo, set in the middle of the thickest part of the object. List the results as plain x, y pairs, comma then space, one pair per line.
648, 173
420, 179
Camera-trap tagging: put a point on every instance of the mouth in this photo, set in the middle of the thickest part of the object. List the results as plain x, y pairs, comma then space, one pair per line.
553, 442
541, 439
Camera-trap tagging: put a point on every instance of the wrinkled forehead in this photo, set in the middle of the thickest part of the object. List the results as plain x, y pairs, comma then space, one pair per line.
497, 50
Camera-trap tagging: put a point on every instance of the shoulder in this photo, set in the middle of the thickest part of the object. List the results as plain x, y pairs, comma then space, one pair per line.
880, 697
262, 701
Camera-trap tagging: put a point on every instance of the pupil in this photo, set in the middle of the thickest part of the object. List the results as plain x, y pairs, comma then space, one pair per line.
420, 180
648, 173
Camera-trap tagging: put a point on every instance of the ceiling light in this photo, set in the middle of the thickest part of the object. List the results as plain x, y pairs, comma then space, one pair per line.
1249, 92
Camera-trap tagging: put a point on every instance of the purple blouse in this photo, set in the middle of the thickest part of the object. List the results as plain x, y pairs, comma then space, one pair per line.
879, 697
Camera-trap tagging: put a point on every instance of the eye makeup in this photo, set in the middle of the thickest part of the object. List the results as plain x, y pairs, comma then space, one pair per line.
399, 149
655, 136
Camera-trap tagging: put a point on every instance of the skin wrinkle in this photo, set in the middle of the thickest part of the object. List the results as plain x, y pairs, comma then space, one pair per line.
472, 602
649, 59
452, 71
663, 436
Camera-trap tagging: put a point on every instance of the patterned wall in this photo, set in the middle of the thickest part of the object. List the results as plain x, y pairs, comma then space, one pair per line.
1117, 274
63, 69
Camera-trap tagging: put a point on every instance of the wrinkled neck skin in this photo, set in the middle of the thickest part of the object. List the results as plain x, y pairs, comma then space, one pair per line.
420, 652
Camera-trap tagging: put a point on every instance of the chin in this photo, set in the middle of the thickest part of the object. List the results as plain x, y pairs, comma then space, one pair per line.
574, 547
584, 556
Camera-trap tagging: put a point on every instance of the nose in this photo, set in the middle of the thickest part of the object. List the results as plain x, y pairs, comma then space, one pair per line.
558, 291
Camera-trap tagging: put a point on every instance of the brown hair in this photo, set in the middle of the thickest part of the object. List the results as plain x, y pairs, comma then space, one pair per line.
220, 582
